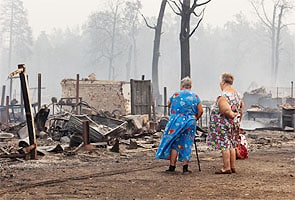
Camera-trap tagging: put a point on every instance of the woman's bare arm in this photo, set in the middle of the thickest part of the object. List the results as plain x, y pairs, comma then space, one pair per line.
225, 109
200, 110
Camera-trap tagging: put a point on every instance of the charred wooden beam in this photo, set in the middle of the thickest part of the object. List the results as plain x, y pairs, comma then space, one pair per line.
39, 91
28, 106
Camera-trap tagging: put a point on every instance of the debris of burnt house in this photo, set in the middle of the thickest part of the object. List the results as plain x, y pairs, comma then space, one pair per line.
112, 96
98, 131
288, 114
41, 118
267, 112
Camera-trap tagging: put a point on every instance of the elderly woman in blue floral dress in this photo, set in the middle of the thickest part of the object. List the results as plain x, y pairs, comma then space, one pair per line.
225, 117
179, 134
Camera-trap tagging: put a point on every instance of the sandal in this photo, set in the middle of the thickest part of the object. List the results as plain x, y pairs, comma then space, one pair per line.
221, 171
233, 170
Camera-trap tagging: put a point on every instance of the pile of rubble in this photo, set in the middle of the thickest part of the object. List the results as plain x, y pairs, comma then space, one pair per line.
64, 131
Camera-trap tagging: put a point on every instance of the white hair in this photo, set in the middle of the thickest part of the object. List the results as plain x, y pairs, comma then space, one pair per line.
186, 82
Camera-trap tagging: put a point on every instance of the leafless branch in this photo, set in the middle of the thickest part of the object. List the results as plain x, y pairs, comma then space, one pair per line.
201, 4
195, 4
179, 9
146, 22
197, 14
264, 12
259, 16
285, 25
180, 2
202, 15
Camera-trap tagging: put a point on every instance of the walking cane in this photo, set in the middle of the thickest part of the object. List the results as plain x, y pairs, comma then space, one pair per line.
197, 154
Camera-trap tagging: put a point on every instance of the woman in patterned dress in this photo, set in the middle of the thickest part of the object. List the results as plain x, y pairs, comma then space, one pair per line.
226, 114
179, 134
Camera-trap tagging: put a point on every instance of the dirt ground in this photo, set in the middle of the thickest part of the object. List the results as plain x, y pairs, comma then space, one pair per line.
268, 173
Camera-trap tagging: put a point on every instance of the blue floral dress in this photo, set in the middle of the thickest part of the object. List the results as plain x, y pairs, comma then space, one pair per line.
223, 132
179, 133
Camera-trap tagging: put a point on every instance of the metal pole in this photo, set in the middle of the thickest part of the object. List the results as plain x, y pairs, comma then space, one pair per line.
39, 91
28, 109
77, 93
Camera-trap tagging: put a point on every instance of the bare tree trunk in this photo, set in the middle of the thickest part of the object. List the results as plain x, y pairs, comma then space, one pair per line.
134, 52
156, 54
128, 64
113, 37
277, 46
184, 39
10, 48
273, 42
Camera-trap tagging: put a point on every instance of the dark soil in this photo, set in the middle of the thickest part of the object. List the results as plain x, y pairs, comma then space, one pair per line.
268, 173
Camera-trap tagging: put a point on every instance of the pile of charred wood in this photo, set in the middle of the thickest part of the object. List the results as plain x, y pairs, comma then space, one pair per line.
55, 123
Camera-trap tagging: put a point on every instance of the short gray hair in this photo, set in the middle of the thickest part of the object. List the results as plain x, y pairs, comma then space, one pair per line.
186, 82
228, 78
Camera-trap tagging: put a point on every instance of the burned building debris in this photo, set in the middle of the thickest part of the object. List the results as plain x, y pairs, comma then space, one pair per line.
111, 96
105, 105
117, 113
264, 111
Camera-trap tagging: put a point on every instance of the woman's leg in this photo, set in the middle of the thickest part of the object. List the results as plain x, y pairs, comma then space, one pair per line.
173, 157
233, 159
185, 167
226, 159
226, 163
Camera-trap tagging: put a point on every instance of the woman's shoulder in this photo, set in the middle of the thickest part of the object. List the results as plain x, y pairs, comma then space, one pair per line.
229, 93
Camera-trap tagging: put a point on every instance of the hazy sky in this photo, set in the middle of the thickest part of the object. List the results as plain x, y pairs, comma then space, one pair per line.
47, 14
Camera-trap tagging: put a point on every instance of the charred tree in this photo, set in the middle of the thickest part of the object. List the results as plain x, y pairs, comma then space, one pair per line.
156, 52
184, 9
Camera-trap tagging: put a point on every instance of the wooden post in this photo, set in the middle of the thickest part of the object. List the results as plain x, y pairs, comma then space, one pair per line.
39, 91
291, 89
165, 101
132, 100
28, 109
10, 89
86, 132
7, 110
86, 138
77, 94
3, 95
21, 105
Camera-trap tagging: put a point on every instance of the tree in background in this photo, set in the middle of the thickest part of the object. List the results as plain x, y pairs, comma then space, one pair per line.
16, 34
156, 52
131, 21
107, 35
273, 22
43, 51
184, 9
